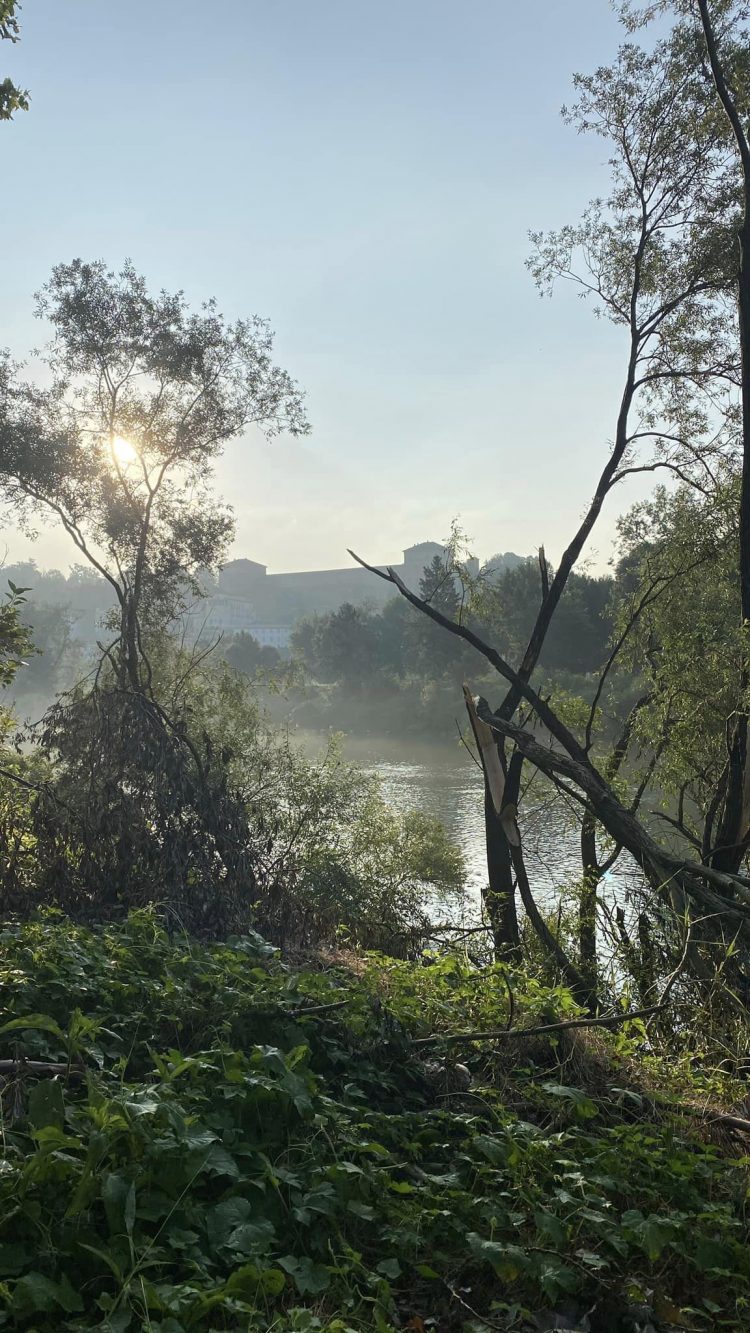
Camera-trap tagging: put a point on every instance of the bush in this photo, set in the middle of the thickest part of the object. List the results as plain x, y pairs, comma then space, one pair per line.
196, 805
249, 1147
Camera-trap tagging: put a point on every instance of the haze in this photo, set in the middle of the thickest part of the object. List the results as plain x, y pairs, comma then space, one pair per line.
365, 176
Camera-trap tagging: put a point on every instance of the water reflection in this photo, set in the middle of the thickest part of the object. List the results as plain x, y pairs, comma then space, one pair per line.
444, 781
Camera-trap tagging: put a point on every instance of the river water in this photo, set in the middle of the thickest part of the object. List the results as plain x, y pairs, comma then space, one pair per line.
445, 782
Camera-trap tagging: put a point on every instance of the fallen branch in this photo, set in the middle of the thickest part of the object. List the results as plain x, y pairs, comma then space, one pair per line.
317, 1008
495, 1034
723, 1118
51, 1067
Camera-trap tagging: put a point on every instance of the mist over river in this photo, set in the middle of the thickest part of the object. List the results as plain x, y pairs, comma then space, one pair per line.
444, 781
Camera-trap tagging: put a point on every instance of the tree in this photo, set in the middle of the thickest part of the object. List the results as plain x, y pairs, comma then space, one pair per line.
578, 635
659, 257
437, 586
119, 451
687, 644
12, 98
15, 640
433, 653
245, 654
50, 630
340, 646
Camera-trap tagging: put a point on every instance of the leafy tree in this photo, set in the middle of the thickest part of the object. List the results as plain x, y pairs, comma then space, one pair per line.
686, 644
431, 652
579, 633
119, 451
15, 640
659, 258
245, 654
438, 587
332, 855
340, 646
12, 98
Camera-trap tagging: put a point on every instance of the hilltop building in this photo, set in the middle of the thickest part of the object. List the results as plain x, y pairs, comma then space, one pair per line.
247, 598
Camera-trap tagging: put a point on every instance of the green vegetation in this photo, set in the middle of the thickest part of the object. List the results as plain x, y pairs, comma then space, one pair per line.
201, 1133
392, 672
238, 1145
12, 98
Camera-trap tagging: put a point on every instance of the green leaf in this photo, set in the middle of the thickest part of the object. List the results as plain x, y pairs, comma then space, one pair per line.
129, 1210
272, 1281
106, 1258
555, 1277
247, 1281
231, 1226
118, 1197
46, 1104
549, 1225
583, 1106
390, 1268
36, 1294
508, 1261
424, 1270
219, 1162
33, 1023
308, 1278
494, 1149
363, 1210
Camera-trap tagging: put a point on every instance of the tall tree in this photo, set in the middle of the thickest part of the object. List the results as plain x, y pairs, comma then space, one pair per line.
119, 452
660, 258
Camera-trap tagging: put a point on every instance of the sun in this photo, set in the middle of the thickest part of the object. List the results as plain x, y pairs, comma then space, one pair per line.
124, 452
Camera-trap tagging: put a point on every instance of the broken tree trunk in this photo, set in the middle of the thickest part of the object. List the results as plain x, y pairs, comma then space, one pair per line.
499, 896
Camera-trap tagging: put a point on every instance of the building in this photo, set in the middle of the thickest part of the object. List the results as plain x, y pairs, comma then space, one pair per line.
248, 599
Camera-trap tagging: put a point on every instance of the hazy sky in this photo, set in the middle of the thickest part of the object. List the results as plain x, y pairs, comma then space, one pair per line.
364, 173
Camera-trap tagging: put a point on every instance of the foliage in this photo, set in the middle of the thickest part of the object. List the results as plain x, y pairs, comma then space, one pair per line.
394, 670
120, 450
679, 549
139, 811
578, 636
228, 1161
15, 640
12, 98
342, 645
331, 856
217, 818
245, 654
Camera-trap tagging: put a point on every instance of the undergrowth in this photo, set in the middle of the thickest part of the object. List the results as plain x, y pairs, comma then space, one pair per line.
217, 1158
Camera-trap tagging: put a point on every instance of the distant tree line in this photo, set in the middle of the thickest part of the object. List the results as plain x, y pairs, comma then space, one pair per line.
62, 614
357, 645
353, 646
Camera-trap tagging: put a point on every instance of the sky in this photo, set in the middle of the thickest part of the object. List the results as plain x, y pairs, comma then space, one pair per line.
364, 175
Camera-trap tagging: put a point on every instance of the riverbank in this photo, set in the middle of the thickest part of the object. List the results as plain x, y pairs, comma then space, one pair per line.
233, 1143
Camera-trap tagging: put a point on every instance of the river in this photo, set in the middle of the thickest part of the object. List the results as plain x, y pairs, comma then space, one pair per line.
444, 781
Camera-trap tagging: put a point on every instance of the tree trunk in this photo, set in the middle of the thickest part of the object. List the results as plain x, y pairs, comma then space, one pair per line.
587, 902
732, 834
500, 894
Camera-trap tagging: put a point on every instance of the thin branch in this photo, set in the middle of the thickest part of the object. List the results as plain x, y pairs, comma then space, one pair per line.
539, 705
504, 1034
